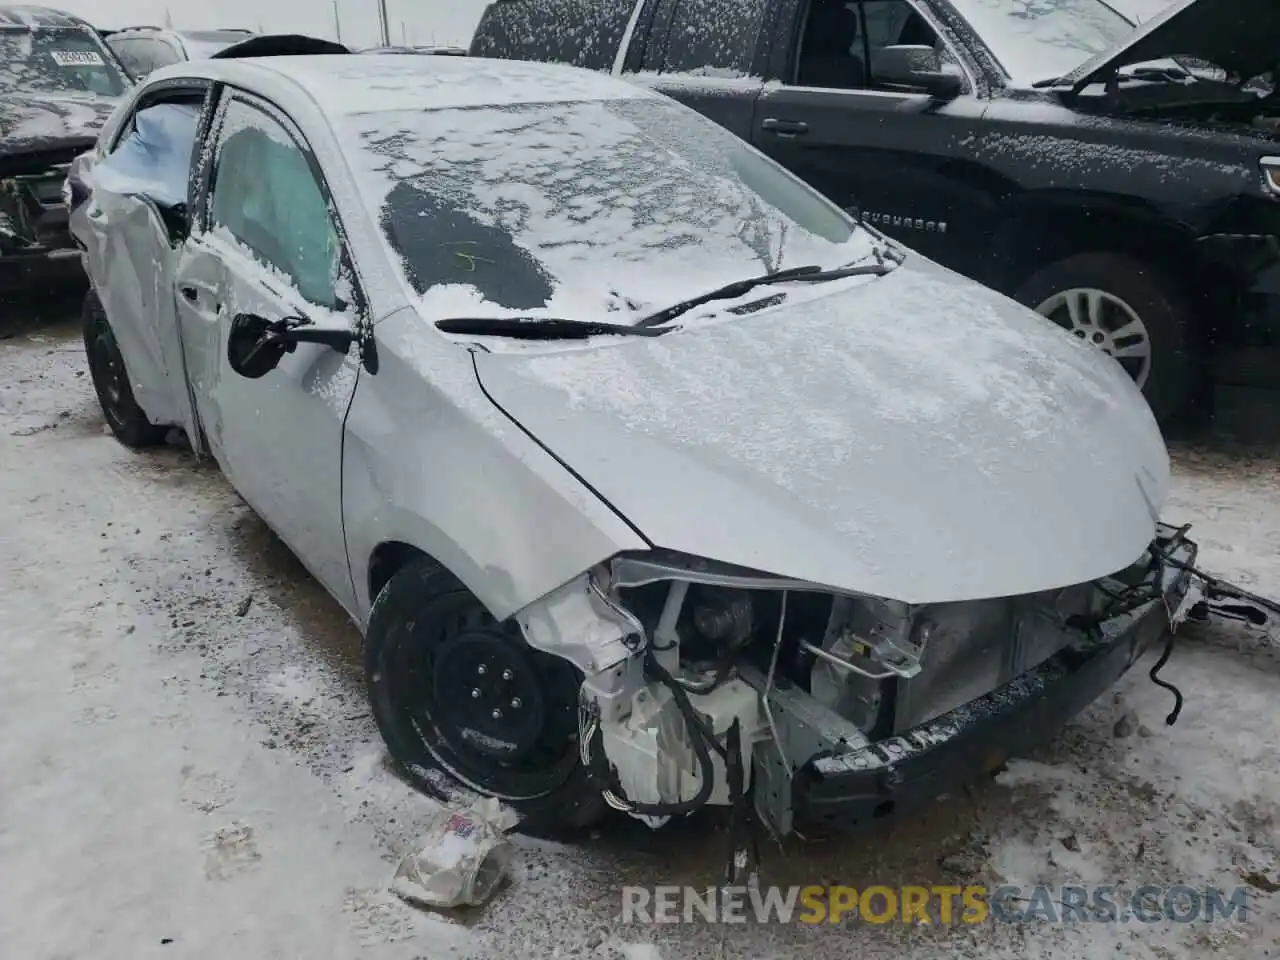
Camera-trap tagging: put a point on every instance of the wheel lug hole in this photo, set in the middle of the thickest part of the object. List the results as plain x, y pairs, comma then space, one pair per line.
497, 714
475, 693
515, 703
1098, 338
482, 670
507, 675
1081, 334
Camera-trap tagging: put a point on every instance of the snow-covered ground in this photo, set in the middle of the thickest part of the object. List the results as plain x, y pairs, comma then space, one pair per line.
188, 767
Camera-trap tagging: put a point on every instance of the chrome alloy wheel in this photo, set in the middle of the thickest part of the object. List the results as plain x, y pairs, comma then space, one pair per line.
1107, 322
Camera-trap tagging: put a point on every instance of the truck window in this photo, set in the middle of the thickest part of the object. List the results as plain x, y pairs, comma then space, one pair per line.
840, 37
583, 33
714, 37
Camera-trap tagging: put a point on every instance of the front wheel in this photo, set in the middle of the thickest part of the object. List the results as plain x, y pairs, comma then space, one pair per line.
106, 368
1129, 310
454, 689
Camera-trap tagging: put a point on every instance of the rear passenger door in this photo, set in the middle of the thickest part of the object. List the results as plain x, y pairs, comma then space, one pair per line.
708, 54
135, 221
876, 149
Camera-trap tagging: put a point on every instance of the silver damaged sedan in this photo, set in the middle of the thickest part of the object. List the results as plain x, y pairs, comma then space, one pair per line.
652, 479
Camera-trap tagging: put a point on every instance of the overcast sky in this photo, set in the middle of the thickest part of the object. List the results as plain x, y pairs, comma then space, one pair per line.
424, 21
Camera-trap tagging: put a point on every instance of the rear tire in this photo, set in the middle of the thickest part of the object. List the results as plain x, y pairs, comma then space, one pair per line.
111, 381
440, 669
1098, 295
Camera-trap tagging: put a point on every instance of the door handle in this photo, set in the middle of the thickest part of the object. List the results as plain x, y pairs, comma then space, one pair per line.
785, 128
190, 294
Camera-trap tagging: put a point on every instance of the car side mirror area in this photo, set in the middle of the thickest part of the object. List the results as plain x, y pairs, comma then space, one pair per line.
255, 345
253, 349
918, 67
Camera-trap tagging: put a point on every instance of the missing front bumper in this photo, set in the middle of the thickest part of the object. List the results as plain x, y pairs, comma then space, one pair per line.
844, 781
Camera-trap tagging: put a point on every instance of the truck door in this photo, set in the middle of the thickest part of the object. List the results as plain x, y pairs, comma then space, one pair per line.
876, 147
708, 54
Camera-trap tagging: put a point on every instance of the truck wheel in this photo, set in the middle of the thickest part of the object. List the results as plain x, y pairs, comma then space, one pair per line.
1130, 310
454, 689
106, 367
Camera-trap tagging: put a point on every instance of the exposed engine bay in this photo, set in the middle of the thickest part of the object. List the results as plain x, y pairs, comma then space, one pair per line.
733, 686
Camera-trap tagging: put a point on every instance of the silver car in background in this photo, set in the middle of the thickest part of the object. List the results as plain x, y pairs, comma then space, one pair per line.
143, 50
651, 478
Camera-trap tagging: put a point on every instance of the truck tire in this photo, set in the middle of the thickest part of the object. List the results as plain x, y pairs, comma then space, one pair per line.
1131, 310
453, 689
111, 382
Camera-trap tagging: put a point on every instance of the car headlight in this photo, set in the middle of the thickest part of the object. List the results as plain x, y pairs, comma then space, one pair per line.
694, 603
1270, 167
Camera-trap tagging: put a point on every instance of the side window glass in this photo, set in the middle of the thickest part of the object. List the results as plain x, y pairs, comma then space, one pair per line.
831, 50
897, 23
843, 41
265, 195
583, 33
714, 37
153, 159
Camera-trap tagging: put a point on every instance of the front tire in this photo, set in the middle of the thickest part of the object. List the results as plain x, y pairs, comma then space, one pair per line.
454, 689
1130, 310
111, 381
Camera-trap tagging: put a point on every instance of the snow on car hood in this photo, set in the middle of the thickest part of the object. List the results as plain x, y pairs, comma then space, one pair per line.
33, 122
916, 437
1241, 36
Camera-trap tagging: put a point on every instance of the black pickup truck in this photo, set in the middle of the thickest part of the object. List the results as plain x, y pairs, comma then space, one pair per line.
1122, 180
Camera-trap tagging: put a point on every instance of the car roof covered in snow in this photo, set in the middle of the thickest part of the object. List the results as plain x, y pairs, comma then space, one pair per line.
342, 85
28, 16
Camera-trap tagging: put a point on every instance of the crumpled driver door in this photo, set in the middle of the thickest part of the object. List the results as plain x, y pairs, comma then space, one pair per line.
135, 224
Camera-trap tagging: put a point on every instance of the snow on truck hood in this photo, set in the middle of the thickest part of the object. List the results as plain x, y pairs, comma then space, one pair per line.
916, 437
1242, 36
31, 122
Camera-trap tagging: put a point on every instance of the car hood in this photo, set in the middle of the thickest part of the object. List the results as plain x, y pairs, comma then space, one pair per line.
30, 123
916, 437
1241, 36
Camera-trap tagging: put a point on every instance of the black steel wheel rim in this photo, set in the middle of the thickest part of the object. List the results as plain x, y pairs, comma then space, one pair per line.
434, 675
107, 366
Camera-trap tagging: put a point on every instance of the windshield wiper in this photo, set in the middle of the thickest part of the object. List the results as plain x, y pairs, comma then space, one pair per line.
1149, 74
730, 291
540, 328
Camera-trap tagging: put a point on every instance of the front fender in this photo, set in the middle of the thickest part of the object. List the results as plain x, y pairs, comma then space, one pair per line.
431, 462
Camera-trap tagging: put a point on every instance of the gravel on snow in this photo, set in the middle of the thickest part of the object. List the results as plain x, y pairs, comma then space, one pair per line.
188, 766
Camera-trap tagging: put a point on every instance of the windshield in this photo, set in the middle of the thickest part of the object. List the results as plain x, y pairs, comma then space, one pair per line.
601, 210
1039, 39
57, 61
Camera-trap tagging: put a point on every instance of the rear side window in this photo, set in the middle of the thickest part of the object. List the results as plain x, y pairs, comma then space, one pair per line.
714, 37
153, 158
583, 33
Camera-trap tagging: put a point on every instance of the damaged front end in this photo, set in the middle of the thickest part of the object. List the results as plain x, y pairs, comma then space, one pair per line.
34, 238
709, 684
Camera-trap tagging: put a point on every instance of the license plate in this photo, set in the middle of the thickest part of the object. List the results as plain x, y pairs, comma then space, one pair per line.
76, 58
